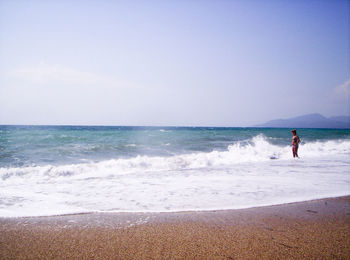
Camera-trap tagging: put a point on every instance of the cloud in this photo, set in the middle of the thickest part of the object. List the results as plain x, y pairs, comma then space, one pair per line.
50, 74
344, 89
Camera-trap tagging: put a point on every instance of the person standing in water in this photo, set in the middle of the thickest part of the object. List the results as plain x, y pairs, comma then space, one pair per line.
295, 143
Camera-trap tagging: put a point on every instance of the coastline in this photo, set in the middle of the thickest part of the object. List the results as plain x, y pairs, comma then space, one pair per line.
301, 230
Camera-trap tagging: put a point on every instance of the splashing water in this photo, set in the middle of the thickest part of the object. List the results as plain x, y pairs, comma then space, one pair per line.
168, 169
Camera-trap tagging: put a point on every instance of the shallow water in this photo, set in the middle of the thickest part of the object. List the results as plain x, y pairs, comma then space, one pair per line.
49, 170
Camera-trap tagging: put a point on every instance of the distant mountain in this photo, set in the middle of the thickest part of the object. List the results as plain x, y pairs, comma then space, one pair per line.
345, 119
310, 121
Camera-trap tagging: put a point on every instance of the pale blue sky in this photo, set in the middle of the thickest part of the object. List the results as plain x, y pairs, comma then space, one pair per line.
213, 63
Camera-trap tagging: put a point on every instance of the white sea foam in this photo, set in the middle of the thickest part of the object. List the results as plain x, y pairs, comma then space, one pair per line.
130, 145
242, 176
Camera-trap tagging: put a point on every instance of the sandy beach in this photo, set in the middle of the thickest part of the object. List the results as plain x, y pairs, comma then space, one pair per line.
318, 229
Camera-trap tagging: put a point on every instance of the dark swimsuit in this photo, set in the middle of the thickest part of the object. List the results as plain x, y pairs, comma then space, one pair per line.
295, 141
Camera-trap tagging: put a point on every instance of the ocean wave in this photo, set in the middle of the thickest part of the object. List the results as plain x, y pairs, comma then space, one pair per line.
243, 175
257, 149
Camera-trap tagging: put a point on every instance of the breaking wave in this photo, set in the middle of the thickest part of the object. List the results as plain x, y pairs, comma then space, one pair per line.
257, 149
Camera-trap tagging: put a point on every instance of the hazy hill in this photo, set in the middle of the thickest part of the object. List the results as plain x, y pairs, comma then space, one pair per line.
310, 121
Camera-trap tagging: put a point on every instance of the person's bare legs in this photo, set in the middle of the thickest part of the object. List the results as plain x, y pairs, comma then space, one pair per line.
295, 151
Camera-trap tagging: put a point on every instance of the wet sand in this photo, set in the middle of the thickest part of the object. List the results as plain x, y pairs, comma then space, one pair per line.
318, 229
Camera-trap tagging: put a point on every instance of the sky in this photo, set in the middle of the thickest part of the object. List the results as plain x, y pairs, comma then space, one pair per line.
172, 63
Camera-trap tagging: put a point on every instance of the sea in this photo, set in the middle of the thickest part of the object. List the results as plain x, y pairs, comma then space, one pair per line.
55, 170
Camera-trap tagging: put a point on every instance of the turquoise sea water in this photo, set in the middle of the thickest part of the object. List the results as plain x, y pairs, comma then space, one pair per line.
39, 145
47, 170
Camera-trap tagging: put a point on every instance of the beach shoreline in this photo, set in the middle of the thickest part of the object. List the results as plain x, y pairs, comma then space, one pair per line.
302, 230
